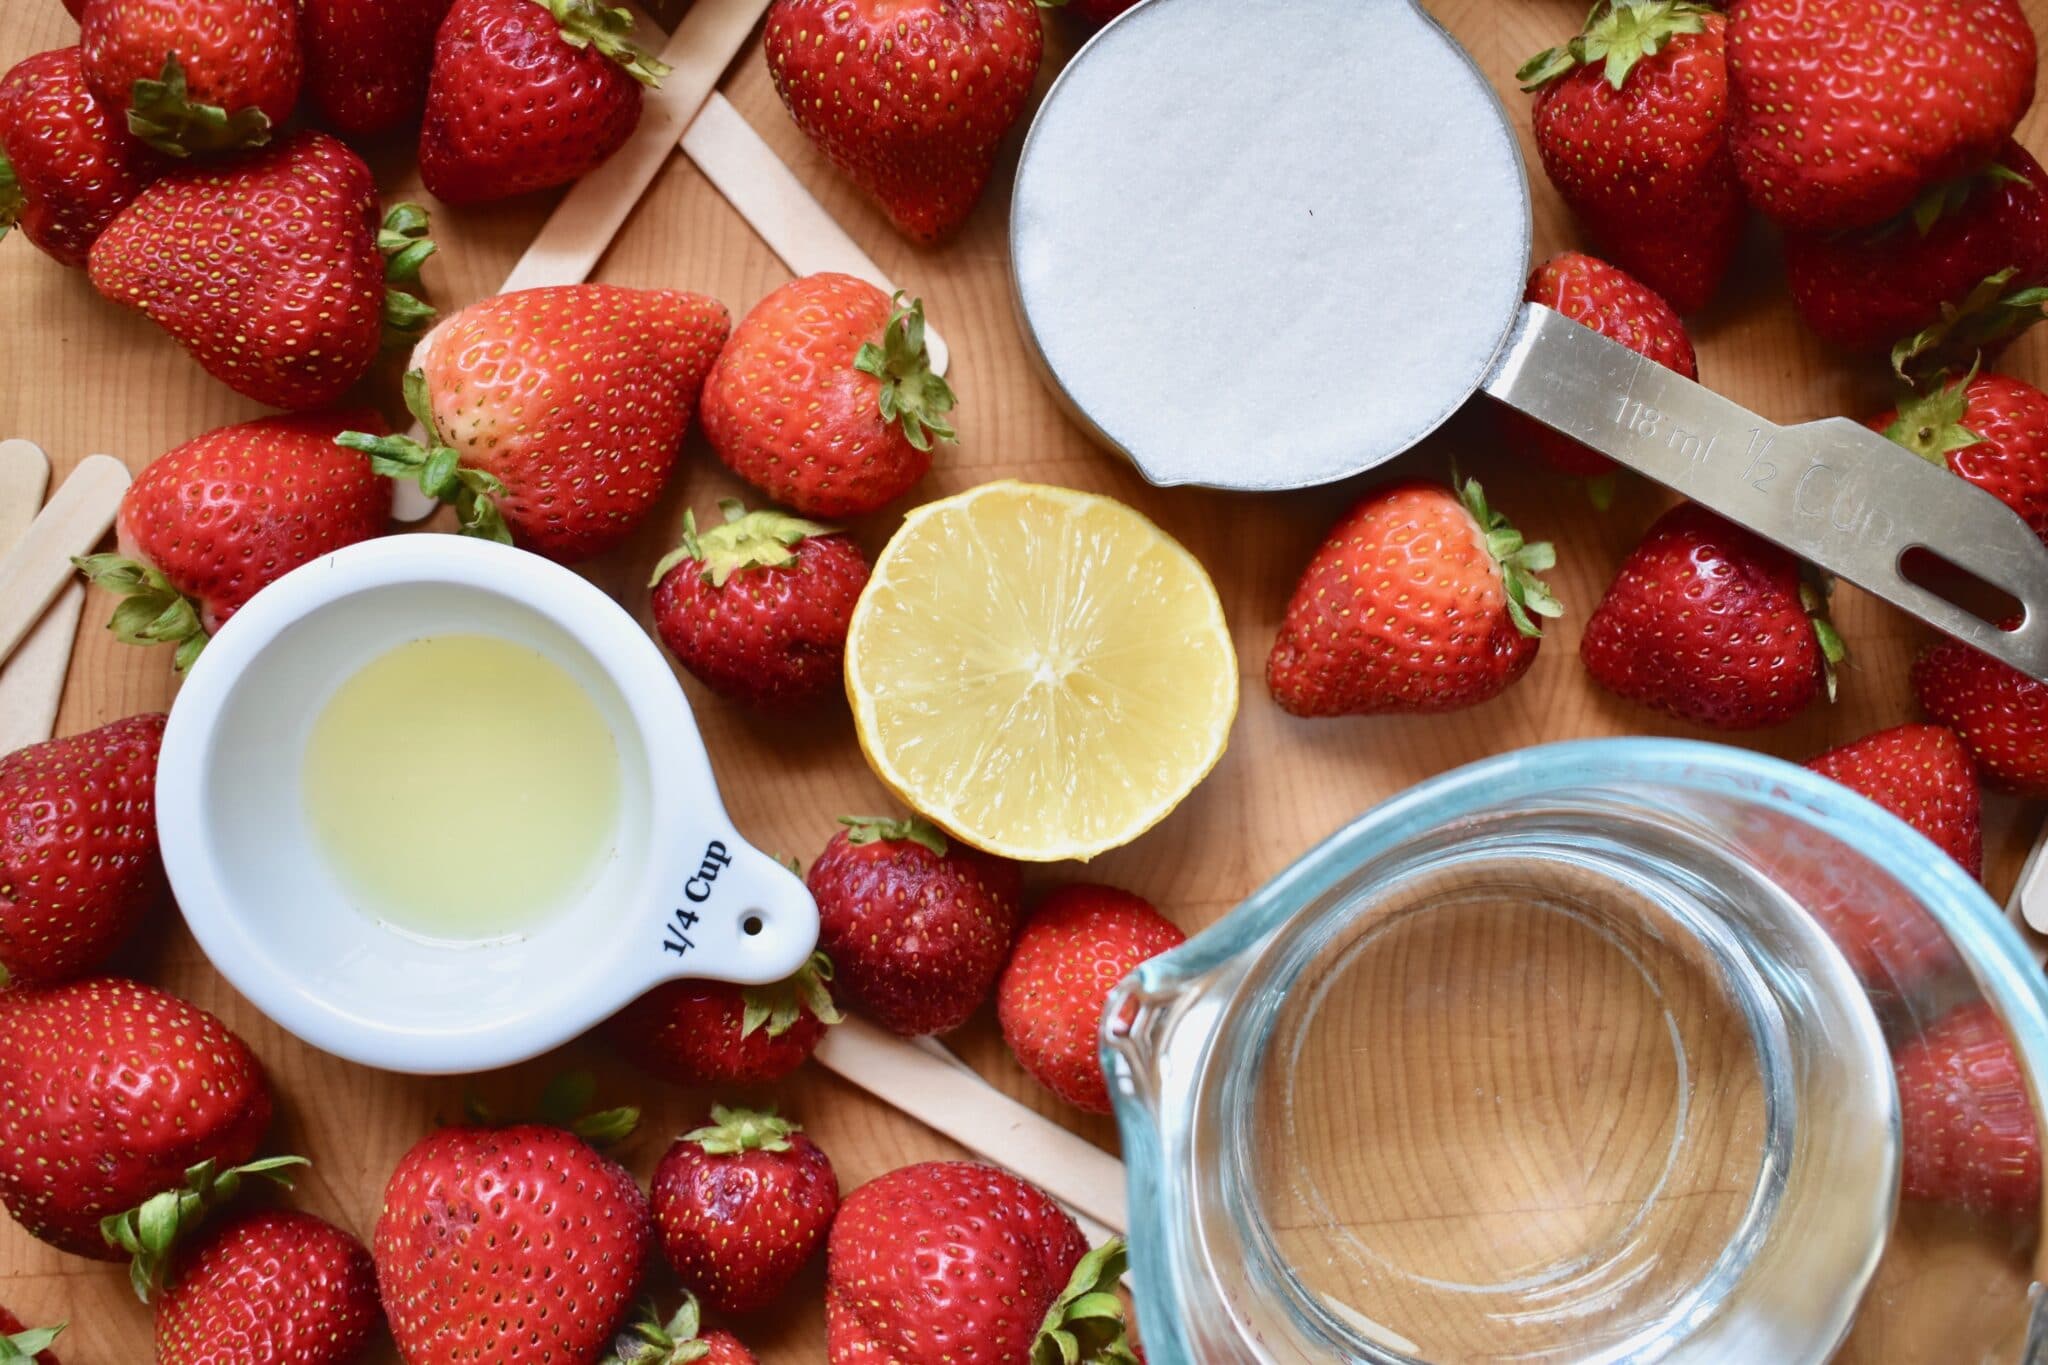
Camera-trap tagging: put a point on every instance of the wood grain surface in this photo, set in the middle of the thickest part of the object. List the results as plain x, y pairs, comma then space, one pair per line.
78, 375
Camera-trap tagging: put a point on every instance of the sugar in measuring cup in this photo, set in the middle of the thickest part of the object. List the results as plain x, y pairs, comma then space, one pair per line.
438, 805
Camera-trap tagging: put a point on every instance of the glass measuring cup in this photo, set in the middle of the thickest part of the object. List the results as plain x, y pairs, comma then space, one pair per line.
1552, 1058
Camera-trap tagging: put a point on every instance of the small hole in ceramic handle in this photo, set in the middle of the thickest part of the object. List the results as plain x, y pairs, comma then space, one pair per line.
752, 925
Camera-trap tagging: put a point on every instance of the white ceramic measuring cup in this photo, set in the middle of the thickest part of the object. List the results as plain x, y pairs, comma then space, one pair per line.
683, 895
1304, 248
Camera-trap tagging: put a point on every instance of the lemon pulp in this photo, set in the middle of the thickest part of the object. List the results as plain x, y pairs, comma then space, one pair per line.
1042, 672
462, 787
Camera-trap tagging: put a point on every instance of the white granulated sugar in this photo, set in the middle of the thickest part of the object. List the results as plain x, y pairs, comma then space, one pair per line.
1266, 245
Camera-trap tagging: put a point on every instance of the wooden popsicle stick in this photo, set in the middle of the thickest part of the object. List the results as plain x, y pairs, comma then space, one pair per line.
32, 683
949, 1098
24, 478
2028, 908
38, 568
742, 166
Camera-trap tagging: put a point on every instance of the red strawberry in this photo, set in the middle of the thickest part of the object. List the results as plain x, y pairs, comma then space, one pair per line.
270, 270
67, 162
742, 1205
270, 1288
1930, 269
825, 397
1923, 775
1071, 954
1845, 110
79, 866
1710, 623
917, 925
716, 1033
1990, 429
210, 524
1419, 600
528, 94
1966, 1117
554, 444
679, 1341
1631, 121
367, 62
518, 1246
1596, 295
758, 608
195, 75
111, 1092
2001, 714
951, 1260
26, 1345
911, 99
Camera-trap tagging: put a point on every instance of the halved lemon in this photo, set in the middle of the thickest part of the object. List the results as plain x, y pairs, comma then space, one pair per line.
1041, 672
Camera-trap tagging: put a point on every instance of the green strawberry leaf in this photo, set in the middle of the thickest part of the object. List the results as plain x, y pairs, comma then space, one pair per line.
732, 1131
1085, 1325
911, 395
1930, 423
1987, 319
151, 611
869, 829
651, 1341
26, 1346
585, 23
747, 540
436, 466
163, 113
12, 199
1814, 592
149, 1233
404, 242
777, 1007
1528, 596
1618, 34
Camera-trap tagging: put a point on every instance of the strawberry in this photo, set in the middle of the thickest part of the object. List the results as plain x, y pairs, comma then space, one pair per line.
1967, 1127
112, 1092
910, 99
1594, 294
952, 1260
717, 1033
1631, 122
79, 866
24, 1344
825, 397
1845, 110
742, 1205
207, 526
1419, 600
2001, 714
679, 1341
1990, 429
917, 925
270, 1288
528, 94
758, 608
540, 438
67, 162
1073, 951
270, 270
1923, 775
195, 75
1710, 623
367, 62
519, 1246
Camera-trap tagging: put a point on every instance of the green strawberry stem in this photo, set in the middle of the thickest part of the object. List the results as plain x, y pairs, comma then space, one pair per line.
654, 1342
404, 242
565, 1102
25, 1346
585, 23
869, 829
777, 1007
1930, 423
732, 1131
436, 467
911, 394
151, 612
1814, 592
12, 202
748, 540
1988, 318
1520, 561
1086, 1322
1619, 33
162, 113
150, 1232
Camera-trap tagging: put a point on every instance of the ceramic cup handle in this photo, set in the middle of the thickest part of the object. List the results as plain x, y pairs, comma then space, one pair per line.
738, 915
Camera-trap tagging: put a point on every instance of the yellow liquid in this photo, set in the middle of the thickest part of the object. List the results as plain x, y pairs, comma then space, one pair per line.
463, 787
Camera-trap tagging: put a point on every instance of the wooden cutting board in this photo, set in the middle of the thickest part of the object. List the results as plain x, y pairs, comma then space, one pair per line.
79, 375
